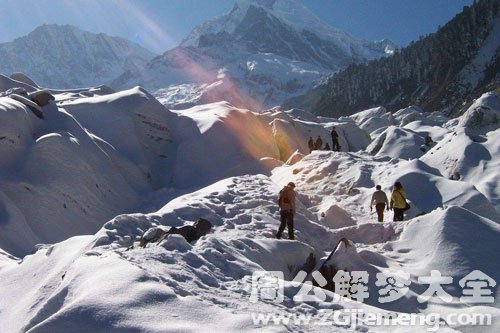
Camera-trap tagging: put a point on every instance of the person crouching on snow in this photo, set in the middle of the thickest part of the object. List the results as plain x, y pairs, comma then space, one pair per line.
286, 202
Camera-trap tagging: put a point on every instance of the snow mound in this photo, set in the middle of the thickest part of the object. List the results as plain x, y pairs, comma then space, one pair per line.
365, 115
45, 194
373, 119
409, 114
138, 114
482, 116
471, 152
458, 242
222, 141
7, 83
435, 133
334, 217
346, 257
21, 77
397, 142
351, 137
175, 243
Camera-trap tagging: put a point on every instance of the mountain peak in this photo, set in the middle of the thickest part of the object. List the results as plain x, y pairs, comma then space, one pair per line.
55, 28
290, 12
64, 56
293, 13
62, 29
297, 18
272, 49
263, 3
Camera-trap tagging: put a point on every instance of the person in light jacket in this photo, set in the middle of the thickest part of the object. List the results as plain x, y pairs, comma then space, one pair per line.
379, 199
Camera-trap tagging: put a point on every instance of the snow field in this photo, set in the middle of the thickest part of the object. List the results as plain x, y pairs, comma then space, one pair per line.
227, 162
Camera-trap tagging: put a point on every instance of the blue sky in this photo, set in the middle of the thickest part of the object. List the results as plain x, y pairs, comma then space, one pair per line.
161, 24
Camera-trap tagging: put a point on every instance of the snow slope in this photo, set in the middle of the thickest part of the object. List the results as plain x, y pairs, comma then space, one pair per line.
226, 165
96, 282
76, 164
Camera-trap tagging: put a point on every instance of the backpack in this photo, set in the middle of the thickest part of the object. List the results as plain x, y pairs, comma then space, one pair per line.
282, 198
407, 205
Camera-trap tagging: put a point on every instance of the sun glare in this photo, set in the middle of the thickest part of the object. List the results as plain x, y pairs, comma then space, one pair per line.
157, 35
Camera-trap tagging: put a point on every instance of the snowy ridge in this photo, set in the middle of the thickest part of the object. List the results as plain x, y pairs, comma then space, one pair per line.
226, 165
291, 12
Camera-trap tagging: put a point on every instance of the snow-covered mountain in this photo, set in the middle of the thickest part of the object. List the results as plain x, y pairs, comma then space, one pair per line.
107, 167
58, 56
260, 53
444, 71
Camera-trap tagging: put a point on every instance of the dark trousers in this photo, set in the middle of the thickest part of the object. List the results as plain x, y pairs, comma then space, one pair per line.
380, 207
399, 214
335, 145
286, 217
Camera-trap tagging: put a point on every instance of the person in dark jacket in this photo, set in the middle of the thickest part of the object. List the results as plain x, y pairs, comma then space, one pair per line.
335, 140
318, 145
310, 143
287, 206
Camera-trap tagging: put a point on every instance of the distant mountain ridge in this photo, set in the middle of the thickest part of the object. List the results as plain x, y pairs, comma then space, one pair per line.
262, 51
444, 71
286, 28
63, 56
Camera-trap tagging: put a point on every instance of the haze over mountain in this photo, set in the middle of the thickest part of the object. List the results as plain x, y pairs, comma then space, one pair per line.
58, 56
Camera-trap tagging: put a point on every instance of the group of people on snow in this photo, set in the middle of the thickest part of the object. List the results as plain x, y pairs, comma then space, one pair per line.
318, 143
398, 203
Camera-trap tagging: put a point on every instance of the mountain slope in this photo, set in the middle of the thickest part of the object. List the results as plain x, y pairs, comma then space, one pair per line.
64, 56
260, 53
442, 71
